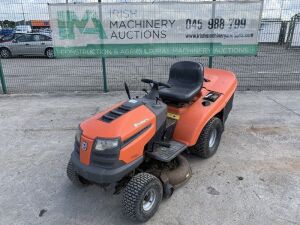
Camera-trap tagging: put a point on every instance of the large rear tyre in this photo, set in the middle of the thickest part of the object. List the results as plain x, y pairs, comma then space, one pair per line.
77, 180
209, 139
141, 197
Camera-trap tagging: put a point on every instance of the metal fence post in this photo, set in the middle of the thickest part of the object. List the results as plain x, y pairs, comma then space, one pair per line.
211, 46
210, 61
103, 58
104, 75
3, 84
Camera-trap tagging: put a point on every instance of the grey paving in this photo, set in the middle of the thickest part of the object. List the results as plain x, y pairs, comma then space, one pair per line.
253, 179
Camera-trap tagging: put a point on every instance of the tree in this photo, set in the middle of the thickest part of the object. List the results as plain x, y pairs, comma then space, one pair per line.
8, 24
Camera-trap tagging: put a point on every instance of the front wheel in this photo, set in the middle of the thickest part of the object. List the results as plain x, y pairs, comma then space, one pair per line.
209, 139
77, 180
141, 197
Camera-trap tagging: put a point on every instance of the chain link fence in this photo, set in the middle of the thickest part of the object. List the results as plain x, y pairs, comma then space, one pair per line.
276, 66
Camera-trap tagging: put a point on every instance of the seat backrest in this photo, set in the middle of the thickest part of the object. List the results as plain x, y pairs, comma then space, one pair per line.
186, 73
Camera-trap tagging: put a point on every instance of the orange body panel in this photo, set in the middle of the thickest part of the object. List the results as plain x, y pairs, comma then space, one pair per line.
123, 128
85, 154
194, 117
136, 148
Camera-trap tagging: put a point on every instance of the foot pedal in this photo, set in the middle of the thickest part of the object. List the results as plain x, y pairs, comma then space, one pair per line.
165, 154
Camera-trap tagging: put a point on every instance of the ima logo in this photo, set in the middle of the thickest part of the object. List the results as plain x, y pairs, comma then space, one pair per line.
89, 24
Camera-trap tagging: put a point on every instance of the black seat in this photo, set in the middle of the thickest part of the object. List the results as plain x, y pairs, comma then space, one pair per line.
185, 79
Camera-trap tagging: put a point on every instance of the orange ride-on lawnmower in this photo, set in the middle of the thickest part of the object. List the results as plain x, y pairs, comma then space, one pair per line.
135, 145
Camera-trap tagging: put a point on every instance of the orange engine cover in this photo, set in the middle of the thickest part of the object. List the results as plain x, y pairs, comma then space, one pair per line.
124, 127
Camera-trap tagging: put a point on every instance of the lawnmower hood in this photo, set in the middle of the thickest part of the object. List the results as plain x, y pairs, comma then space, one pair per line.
123, 121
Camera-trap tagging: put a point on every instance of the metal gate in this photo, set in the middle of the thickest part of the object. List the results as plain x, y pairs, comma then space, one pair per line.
276, 66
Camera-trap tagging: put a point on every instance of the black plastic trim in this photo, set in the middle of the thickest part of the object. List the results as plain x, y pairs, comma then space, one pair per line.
133, 137
76, 147
228, 108
119, 111
103, 175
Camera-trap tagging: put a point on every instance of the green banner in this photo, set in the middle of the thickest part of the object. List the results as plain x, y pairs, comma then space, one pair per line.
158, 29
151, 50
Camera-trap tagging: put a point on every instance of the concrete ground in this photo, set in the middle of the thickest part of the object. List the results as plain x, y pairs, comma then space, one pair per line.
253, 179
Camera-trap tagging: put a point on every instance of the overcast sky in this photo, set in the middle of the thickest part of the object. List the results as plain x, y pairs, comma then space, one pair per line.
38, 9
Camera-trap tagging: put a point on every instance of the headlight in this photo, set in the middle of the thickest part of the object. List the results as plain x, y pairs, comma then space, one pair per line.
103, 144
78, 135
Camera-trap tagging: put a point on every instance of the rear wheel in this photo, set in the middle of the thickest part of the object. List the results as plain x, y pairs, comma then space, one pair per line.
50, 53
5, 53
141, 197
209, 139
74, 177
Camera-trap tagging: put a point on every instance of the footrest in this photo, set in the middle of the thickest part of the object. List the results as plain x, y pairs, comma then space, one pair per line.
165, 154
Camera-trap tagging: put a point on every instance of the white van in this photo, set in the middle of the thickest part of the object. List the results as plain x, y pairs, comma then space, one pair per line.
23, 29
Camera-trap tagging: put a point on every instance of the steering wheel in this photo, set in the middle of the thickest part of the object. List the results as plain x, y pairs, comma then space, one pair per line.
155, 83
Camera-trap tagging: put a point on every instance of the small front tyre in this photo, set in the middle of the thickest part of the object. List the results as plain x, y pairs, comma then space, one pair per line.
209, 139
141, 197
77, 180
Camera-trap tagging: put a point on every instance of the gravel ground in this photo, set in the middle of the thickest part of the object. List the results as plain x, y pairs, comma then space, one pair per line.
275, 68
253, 179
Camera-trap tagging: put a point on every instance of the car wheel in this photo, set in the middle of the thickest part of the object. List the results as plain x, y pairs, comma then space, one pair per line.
50, 53
141, 197
209, 139
5, 53
77, 180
